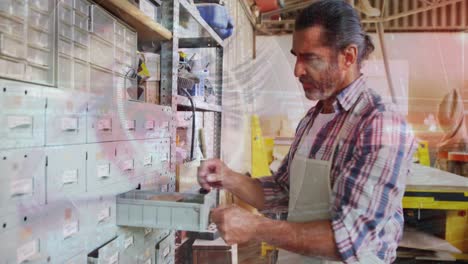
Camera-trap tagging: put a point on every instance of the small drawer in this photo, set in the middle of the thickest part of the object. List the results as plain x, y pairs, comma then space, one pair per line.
65, 31
101, 53
81, 71
119, 55
81, 53
12, 27
36, 73
12, 68
38, 56
81, 37
43, 5
65, 47
12, 47
102, 24
129, 60
67, 3
81, 21
119, 29
39, 38
39, 20
64, 73
130, 37
82, 6
119, 39
65, 15
15, 8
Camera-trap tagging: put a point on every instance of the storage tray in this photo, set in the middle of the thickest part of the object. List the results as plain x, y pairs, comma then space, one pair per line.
39, 20
139, 209
80, 21
14, 8
102, 24
43, 5
12, 27
81, 37
65, 15
82, 6
12, 47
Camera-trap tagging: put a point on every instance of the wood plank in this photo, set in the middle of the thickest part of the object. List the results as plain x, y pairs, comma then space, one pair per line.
427, 178
148, 30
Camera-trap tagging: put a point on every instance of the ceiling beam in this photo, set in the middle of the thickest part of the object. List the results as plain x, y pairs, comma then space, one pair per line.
433, 5
289, 8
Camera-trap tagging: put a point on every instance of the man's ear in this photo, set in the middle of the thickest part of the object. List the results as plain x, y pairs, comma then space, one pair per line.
349, 56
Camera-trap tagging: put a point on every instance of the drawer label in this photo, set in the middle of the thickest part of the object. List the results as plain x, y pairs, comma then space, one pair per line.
104, 124
130, 124
148, 160
70, 177
166, 251
26, 251
103, 171
128, 165
128, 242
104, 214
21, 187
70, 229
114, 259
69, 123
149, 125
19, 121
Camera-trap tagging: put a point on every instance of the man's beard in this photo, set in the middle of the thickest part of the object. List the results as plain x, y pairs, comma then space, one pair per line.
325, 87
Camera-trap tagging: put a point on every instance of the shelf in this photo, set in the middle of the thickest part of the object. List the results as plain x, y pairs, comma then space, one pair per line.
148, 30
183, 103
195, 32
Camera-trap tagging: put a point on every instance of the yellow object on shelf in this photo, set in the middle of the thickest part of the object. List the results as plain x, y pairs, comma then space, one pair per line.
422, 153
260, 165
269, 145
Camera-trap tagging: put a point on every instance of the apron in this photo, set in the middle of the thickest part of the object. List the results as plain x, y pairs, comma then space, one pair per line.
310, 197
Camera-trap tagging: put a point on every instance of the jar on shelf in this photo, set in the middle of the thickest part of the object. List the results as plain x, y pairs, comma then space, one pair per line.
458, 163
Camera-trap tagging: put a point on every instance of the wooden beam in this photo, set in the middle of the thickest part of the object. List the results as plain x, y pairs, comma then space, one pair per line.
289, 8
148, 30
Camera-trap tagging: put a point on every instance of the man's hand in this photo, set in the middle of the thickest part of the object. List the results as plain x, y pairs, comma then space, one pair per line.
214, 174
235, 224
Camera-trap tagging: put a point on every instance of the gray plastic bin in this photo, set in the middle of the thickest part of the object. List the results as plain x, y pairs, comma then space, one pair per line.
191, 213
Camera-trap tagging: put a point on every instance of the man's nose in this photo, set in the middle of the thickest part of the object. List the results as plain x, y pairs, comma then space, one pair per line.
299, 69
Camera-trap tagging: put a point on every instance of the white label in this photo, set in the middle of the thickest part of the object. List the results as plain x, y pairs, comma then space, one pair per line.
128, 165
69, 123
165, 125
70, 229
26, 251
148, 160
19, 121
104, 214
148, 261
148, 231
165, 157
166, 251
147, 8
104, 124
114, 258
149, 125
103, 171
21, 187
130, 124
128, 242
70, 177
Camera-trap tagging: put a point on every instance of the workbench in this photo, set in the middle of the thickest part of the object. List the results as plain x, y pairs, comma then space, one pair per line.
432, 189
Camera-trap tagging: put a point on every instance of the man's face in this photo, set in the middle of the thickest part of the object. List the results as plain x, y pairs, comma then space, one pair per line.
317, 66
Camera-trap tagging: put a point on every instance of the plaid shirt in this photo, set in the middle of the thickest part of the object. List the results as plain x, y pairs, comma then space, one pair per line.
368, 173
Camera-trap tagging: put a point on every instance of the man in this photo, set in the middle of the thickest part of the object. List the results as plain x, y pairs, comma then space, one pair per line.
344, 177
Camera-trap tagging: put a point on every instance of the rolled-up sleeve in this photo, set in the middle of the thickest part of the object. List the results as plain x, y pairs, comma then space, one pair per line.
276, 188
367, 215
